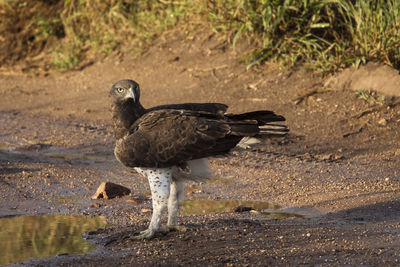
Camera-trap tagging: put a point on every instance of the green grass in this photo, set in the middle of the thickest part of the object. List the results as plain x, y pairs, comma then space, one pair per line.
46, 27
371, 97
316, 34
66, 56
322, 35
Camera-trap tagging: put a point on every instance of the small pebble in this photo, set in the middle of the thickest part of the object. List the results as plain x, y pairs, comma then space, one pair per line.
146, 210
382, 122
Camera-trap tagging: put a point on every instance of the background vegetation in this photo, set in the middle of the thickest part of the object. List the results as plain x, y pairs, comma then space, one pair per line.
324, 35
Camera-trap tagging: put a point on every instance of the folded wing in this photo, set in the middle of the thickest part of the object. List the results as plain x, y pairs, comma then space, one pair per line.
167, 137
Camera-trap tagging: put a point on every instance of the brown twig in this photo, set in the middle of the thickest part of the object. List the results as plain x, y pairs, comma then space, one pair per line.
315, 91
374, 109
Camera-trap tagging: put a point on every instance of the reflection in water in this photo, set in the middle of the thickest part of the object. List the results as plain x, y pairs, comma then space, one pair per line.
26, 237
202, 206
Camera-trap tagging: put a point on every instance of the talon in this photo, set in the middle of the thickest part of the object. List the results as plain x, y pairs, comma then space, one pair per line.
146, 234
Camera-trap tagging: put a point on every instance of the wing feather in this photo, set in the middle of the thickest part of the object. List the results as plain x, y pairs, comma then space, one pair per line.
215, 108
163, 138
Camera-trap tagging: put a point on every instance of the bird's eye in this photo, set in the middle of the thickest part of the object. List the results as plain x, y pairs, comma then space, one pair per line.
120, 89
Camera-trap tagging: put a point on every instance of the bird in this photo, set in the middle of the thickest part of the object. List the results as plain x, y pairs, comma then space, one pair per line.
170, 144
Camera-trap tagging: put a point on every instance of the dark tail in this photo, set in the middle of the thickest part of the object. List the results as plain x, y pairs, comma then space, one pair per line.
274, 129
264, 119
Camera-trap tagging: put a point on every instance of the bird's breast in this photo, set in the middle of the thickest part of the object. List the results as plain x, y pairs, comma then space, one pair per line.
125, 153
118, 150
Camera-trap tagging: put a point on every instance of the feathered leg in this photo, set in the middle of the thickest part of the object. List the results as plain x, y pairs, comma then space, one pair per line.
159, 181
176, 195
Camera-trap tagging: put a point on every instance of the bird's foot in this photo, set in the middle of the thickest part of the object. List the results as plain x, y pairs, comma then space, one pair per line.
146, 234
165, 229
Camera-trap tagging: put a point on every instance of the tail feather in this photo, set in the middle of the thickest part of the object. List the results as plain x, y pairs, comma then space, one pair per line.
249, 141
244, 127
262, 119
248, 129
261, 116
273, 129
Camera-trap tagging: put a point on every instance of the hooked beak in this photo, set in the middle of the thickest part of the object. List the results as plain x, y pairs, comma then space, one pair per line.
130, 94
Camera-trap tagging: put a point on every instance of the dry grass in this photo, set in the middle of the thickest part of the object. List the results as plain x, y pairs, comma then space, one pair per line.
324, 35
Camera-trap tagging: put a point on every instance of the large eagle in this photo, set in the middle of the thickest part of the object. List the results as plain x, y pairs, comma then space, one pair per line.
170, 143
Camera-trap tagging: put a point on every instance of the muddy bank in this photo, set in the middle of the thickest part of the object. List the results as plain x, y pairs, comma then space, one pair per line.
350, 206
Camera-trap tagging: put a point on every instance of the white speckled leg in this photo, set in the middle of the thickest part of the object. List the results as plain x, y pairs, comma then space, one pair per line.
159, 181
176, 195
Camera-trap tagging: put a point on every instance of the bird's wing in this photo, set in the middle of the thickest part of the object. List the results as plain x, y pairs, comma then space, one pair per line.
215, 108
163, 138
262, 116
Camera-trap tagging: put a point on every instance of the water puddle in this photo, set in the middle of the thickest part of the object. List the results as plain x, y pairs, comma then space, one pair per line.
4, 146
66, 156
49, 152
30, 237
204, 206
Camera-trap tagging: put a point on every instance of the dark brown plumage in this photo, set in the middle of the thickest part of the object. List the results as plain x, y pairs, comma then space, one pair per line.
169, 135
168, 144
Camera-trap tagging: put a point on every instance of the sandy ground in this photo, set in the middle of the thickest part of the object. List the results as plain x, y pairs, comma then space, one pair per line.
339, 166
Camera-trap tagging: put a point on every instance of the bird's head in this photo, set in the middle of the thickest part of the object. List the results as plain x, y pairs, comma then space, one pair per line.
125, 90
